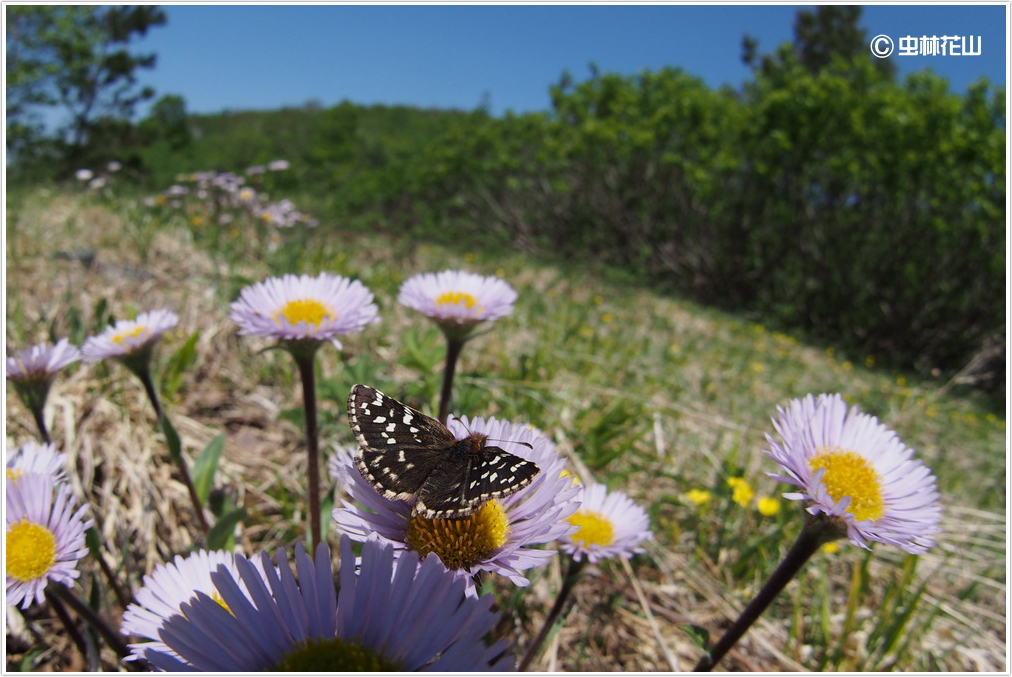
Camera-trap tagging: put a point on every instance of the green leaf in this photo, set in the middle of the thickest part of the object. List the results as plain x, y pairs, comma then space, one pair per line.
700, 636
206, 466
172, 439
220, 536
181, 360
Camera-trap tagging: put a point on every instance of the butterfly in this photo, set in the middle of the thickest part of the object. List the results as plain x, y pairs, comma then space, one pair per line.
407, 455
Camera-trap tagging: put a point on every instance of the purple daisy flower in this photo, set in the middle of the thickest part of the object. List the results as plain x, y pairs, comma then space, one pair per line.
41, 362
499, 537
610, 525
390, 616
457, 300
851, 467
42, 459
165, 590
45, 537
304, 308
129, 339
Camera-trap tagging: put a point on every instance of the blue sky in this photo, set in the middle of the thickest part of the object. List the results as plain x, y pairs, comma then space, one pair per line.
265, 57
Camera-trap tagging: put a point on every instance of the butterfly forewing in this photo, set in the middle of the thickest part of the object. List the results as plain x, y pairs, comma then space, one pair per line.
399, 446
408, 455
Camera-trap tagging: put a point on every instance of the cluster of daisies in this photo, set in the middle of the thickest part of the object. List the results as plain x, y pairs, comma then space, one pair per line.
408, 601
221, 197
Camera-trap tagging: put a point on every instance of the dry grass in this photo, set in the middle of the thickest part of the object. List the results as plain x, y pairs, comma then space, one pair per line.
621, 618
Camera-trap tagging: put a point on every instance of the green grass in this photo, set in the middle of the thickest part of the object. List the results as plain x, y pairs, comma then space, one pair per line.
651, 394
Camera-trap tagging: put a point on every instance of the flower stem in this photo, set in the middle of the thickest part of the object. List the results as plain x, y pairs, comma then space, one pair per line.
305, 365
453, 347
568, 583
69, 625
41, 423
144, 374
58, 591
817, 531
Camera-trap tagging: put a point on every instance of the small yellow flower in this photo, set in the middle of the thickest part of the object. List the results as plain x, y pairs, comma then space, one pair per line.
768, 506
869, 361
607, 318
901, 381
698, 496
598, 300
847, 366
742, 493
831, 547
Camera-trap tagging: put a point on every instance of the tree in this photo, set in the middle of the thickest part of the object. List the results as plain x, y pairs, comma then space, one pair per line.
167, 121
830, 32
76, 57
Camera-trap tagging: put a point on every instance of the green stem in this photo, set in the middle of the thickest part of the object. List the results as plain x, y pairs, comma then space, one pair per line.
305, 365
453, 347
568, 583
817, 531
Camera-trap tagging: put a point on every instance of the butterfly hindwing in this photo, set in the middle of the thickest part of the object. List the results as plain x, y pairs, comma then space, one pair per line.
491, 473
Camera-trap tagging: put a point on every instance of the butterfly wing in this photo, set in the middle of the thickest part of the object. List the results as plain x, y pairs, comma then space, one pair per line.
399, 447
489, 473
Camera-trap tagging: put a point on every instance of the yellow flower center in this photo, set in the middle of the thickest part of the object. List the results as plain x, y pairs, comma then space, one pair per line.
595, 528
216, 596
460, 543
30, 550
136, 332
850, 474
13, 474
310, 311
333, 655
454, 298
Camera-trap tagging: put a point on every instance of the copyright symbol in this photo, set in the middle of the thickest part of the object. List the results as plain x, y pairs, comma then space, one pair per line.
881, 46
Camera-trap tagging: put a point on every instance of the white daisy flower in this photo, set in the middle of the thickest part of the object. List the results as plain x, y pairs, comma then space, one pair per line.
610, 525
129, 339
851, 467
499, 538
457, 300
390, 616
304, 308
45, 537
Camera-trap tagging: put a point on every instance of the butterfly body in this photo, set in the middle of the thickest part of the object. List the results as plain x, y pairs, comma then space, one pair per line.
407, 455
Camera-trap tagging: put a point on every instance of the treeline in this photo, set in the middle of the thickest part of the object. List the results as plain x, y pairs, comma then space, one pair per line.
868, 213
